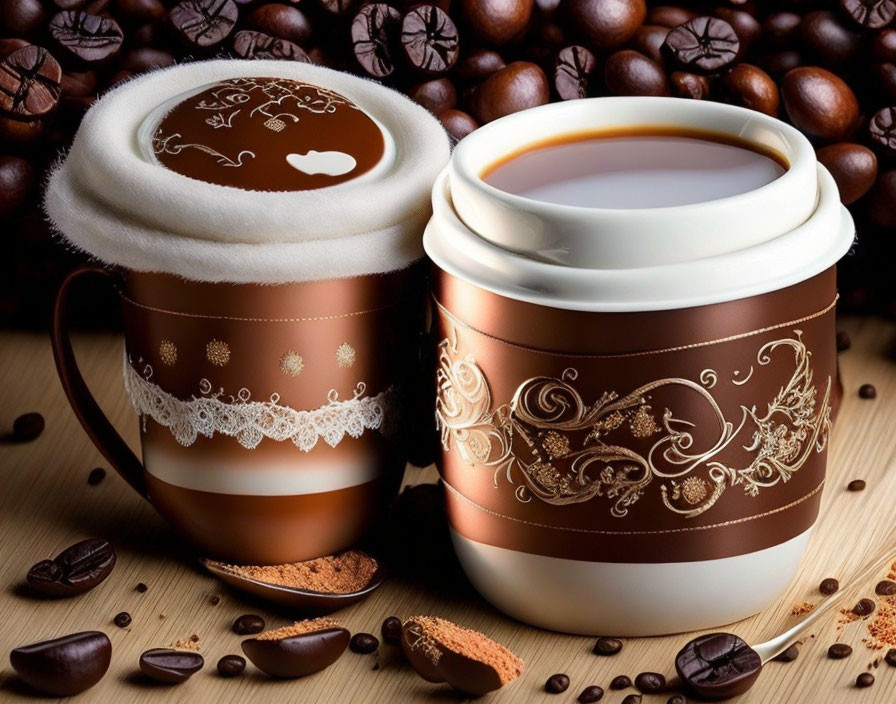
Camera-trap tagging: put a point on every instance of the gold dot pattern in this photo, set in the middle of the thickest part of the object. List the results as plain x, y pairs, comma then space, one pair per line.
291, 363
345, 355
168, 352
218, 353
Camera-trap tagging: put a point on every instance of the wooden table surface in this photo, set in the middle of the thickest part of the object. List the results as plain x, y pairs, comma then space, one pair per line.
46, 504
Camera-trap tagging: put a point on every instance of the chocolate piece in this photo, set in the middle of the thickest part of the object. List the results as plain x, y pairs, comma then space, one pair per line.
280, 20
819, 103
441, 651
364, 643
702, 45
496, 21
429, 39
872, 14
866, 679
789, 655
248, 624
572, 72
632, 699
170, 666
718, 666
77, 569
302, 649
607, 23
141, 587
231, 665
90, 38
650, 682
122, 619
64, 666
854, 168
885, 587
374, 32
864, 607
838, 651
518, 86
607, 646
204, 23
96, 476
391, 630
890, 657
258, 45
856, 485
621, 682
215, 600
29, 83
557, 684
591, 693
882, 129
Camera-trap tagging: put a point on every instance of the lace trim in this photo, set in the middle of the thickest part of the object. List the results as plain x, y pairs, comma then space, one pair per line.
249, 421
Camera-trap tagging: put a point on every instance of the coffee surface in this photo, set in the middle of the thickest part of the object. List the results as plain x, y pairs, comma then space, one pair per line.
627, 171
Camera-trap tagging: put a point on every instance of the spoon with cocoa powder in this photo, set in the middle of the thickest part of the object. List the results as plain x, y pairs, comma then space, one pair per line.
321, 586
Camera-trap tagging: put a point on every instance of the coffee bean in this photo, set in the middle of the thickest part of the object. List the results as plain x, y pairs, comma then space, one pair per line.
496, 21
517, 86
864, 607
854, 168
140, 10
872, 14
437, 95
11, 44
608, 24
141, 587
884, 47
856, 485
745, 26
607, 646
29, 83
231, 665
669, 15
90, 38
866, 679
557, 684
572, 72
632, 699
677, 699
689, 85
77, 569
146, 59
620, 682
882, 130
280, 20
779, 63
65, 666
96, 476
170, 666
890, 657
457, 123
780, 27
391, 630
885, 587
204, 23
838, 651
590, 694
828, 40
337, 7
374, 31
248, 624
122, 619
882, 197
258, 45
649, 41
884, 75
16, 184
22, 17
828, 586
363, 643
702, 45
478, 65
629, 72
789, 655
650, 682
751, 87
429, 39
819, 103
717, 666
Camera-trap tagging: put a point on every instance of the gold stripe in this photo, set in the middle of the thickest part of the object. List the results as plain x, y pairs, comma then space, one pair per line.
643, 353
757, 516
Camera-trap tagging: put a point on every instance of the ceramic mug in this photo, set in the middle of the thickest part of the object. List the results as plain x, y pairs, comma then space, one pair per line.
634, 406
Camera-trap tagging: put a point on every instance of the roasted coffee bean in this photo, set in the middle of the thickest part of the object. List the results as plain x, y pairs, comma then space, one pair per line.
828, 40
882, 197
629, 72
517, 86
866, 679
607, 646
718, 666
572, 72
258, 45
882, 130
391, 630
779, 63
873, 14
867, 391
885, 77
751, 87
141, 587
11, 44
702, 45
650, 682
838, 651
890, 657
139, 10
65, 666
478, 65
97, 474
29, 83
364, 643
77, 569
231, 665
885, 587
607, 23
677, 699
22, 17
854, 168
844, 342
780, 27
215, 599
437, 95
78, 83
828, 586
248, 624
884, 47
337, 7
669, 15
819, 103
689, 85
90, 38
170, 666
789, 655
374, 32
557, 684
649, 41
280, 20
590, 694
621, 682
496, 21
429, 39
856, 485
204, 23
122, 619
145, 59
632, 699
745, 26
16, 184
457, 123
864, 607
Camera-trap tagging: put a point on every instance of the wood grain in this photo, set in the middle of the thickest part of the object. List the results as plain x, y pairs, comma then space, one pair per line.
46, 504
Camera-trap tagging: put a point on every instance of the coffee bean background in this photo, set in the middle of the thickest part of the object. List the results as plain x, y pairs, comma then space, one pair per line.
827, 66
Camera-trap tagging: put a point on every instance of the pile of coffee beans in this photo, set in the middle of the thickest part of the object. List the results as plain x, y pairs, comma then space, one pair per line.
828, 67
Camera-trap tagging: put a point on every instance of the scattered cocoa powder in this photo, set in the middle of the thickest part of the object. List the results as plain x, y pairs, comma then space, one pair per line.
300, 628
800, 609
335, 574
472, 644
188, 644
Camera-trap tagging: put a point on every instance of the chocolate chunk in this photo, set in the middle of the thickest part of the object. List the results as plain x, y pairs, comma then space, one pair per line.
590, 694
122, 619
248, 624
632, 699
650, 682
77, 569
607, 646
838, 651
231, 665
141, 587
170, 666
866, 679
374, 33
258, 45
856, 485
789, 655
364, 643
204, 23
297, 655
718, 666
885, 587
429, 39
872, 14
557, 684
391, 630
864, 607
97, 474
572, 72
882, 129
621, 682
890, 657
215, 599
90, 38
29, 426
64, 666
702, 45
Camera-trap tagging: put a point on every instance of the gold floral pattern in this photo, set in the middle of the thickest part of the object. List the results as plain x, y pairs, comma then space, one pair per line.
218, 353
345, 355
168, 352
292, 363
557, 448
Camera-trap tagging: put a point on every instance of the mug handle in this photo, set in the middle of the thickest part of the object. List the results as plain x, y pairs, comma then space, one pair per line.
94, 421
